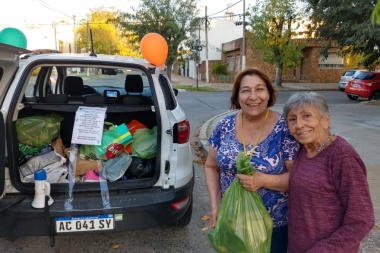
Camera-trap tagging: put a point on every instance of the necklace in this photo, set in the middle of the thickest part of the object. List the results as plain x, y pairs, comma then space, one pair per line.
323, 144
257, 138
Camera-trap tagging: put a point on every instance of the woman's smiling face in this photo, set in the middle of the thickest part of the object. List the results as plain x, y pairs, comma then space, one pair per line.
307, 125
253, 95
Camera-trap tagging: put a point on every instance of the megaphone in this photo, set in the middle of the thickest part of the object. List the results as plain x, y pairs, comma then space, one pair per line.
41, 190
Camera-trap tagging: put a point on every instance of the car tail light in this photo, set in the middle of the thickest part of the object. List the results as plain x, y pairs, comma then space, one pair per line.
181, 132
181, 204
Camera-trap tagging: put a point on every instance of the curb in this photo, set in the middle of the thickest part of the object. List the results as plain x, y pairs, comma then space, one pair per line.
203, 143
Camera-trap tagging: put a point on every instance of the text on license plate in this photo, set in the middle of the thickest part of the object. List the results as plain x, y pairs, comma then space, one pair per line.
84, 223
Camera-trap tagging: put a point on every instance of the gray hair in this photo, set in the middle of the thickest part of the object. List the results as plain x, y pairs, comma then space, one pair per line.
306, 98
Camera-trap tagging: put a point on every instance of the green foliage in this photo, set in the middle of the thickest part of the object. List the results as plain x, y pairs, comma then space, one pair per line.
172, 19
220, 68
376, 14
350, 26
273, 23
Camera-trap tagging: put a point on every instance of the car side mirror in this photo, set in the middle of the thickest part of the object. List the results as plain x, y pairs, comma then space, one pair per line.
175, 91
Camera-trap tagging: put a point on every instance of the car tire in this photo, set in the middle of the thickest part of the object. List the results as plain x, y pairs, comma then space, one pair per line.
342, 89
375, 95
352, 97
186, 218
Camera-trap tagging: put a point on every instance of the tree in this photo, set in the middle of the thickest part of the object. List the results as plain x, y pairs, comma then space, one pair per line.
107, 39
348, 25
172, 19
273, 23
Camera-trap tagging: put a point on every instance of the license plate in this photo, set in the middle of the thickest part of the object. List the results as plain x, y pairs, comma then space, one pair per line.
355, 85
84, 223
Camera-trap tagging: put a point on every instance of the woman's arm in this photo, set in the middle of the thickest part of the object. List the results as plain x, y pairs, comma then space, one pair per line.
212, 177
348, 174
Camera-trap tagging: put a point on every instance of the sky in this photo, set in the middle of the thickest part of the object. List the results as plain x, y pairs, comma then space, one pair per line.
35, 18
20, 12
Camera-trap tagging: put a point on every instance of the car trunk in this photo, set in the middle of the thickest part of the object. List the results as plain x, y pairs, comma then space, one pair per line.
142, 172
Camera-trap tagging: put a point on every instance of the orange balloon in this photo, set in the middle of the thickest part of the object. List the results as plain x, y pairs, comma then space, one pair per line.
154, 48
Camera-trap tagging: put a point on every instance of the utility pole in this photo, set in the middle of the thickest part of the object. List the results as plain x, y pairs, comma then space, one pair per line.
55, 34
75, 44
88, 38
207, 76
243, 47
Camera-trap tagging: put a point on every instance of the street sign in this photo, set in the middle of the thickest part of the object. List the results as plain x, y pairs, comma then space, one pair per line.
196, 48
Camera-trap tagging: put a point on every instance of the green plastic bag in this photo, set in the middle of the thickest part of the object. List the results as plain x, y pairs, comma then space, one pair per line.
113, 143
144, 143
38, 130
243, 224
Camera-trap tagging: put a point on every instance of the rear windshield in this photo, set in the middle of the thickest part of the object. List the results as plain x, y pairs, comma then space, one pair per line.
349, 73
365, 76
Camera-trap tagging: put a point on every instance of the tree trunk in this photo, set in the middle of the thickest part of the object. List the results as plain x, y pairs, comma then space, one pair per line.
277, 80
169, 67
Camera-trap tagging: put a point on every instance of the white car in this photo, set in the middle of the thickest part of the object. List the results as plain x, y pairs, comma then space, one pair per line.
87, 191
347, 76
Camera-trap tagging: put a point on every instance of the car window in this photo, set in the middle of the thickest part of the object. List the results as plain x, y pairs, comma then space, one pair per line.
349, 73
365, 76
356, 73
96, 80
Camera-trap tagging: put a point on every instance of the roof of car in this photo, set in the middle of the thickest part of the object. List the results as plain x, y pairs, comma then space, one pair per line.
84, 57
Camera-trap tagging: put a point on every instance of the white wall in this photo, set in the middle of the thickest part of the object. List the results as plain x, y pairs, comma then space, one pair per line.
44, 36
219, 32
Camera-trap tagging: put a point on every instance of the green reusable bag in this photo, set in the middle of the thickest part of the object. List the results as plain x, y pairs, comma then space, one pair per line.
144, 143
114, 140
243, 224
38, 130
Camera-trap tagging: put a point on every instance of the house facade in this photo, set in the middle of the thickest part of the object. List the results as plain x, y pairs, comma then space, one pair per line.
313, 68
210, 42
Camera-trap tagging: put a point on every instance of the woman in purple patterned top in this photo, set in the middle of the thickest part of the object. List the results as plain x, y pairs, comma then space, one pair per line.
262, 134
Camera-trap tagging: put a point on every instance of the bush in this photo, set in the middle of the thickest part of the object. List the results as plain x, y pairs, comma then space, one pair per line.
219, 68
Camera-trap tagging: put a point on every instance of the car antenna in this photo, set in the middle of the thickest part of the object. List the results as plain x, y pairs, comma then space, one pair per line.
92, 45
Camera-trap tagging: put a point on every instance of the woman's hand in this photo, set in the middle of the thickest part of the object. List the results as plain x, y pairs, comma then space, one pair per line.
214, 215
251, 183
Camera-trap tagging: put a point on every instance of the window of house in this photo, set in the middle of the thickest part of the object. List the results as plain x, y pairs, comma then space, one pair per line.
333, 61
231, 61
238, 65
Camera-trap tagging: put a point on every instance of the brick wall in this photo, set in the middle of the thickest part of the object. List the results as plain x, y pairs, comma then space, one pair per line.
308, 71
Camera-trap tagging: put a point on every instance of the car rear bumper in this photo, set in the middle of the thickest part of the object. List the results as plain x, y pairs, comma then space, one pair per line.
358, 92
135, 209
342, 85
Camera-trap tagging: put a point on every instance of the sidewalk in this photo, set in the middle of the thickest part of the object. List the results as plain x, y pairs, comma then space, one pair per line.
371, 244
181, 80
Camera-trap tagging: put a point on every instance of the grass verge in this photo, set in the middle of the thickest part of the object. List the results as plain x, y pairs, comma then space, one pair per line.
193, 88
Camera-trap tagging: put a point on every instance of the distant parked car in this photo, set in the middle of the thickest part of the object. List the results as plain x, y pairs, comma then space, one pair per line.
365, 85
347, 76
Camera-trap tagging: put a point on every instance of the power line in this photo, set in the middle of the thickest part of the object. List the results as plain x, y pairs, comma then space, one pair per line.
50, 7
225, 8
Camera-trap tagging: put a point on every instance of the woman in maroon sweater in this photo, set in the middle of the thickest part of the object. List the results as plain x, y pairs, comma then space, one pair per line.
330, 207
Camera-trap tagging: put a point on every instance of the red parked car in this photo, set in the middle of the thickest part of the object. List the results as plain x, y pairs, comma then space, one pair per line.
365, 85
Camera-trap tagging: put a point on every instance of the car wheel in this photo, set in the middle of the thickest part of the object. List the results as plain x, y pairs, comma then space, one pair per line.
186, 218
375, 95
352, 97
342, 89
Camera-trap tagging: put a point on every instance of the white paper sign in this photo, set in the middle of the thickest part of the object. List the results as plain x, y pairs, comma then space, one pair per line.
88, 125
